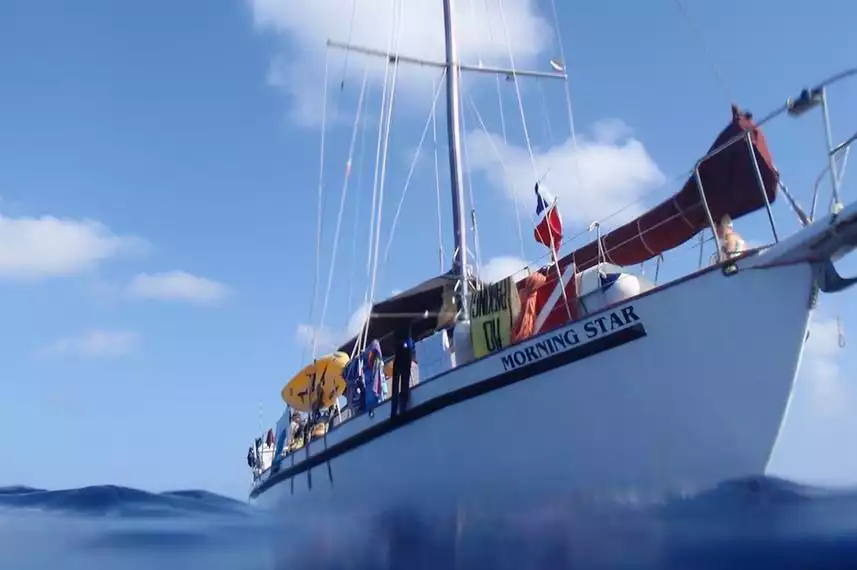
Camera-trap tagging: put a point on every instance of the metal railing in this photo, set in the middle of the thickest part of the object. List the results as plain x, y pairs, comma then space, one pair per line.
807, 100
795, 107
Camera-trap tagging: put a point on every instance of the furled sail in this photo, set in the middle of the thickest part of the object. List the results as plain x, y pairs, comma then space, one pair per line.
731, 187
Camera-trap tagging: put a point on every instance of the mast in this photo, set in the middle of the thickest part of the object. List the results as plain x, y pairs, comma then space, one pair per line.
459, 262
453, 68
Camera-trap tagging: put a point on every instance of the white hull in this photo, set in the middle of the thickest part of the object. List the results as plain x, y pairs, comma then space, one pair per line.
698, 399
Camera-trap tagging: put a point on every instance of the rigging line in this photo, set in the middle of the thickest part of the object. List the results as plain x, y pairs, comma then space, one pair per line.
345, 63
317, 273
347, 52
545, 112
437, 186
575, 150
384, 171
377, 171
500, 108
568, 98
342, 199
387, 62
413, 166
518, 90
843, 162
373, 207
567, 81
503, 127
496, 76
473, 15
386, 154
700, 38
498, 155
360, 166
554, 247
373, 211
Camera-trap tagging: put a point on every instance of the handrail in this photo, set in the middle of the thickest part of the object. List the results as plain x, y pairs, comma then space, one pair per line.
796, 107
788, 105
809, 98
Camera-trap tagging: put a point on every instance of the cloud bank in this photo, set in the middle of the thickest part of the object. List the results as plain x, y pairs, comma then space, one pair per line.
178, 286
305, 27
607, 171
95, 343
43, 247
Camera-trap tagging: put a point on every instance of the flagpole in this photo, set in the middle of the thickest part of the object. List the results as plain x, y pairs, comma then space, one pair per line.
559, 276
554, 255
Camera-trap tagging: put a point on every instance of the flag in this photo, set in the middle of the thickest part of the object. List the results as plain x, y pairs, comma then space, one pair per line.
543, 300
551, 308
549, 226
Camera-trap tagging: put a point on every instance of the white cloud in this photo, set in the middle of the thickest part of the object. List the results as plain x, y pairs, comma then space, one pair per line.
500, 267
813, 446
821, 368
606, 172
328, 338
325, 338
306, 27
95, 343
357, 320
35, 248
178, 286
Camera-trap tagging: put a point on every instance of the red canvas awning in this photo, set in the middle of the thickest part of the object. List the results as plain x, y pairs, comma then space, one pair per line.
731, 187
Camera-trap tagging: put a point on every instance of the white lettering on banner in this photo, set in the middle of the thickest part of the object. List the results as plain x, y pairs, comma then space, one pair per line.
563, 340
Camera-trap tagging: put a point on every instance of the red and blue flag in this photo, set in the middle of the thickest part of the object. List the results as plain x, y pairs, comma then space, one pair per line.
548, 229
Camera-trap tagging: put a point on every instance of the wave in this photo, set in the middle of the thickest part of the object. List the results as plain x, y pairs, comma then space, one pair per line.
102, 499
120, 501
746, 523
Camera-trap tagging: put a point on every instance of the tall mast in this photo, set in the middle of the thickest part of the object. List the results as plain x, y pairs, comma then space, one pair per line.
453, 71
459, 226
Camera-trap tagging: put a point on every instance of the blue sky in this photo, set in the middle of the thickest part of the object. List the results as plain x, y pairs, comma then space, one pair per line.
158, 190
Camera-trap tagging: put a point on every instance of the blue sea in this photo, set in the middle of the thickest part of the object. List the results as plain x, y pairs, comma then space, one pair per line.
750, 523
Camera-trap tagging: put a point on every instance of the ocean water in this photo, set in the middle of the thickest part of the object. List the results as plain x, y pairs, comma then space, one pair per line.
750, 523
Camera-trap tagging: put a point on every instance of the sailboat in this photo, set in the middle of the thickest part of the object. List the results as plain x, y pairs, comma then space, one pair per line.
651, 389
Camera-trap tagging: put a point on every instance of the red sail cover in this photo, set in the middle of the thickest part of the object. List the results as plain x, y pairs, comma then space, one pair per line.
731, 187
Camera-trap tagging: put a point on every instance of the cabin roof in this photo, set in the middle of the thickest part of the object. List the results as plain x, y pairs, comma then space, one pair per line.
425, 308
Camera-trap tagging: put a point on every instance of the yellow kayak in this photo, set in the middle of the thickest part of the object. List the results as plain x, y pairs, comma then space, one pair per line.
326, 375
